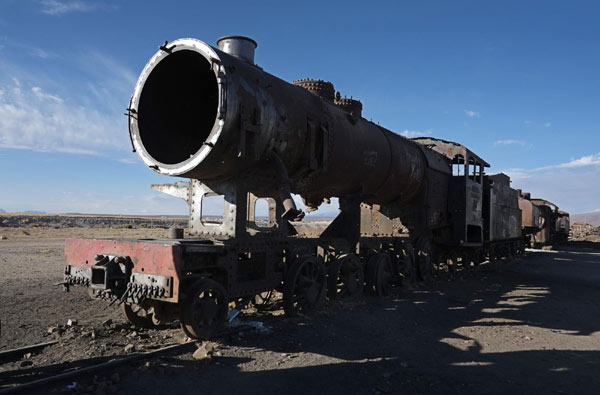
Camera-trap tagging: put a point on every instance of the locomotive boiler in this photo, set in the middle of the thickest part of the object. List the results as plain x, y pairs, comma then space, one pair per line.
211, 115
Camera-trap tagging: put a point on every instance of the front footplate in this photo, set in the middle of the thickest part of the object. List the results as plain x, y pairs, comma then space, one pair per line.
127, 270
111, 277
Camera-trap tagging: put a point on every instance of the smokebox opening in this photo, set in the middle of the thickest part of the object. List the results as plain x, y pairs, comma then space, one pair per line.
178, 107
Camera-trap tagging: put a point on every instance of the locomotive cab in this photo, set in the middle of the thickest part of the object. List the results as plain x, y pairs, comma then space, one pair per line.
465, 194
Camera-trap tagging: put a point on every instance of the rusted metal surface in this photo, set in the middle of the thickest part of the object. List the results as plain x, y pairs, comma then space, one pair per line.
505, 216
319, 88
246, 113
215, 117
449, 149
563, 226
461, 203
155, 257
531, 221
354, 107
554, 223
544, 235
530, 213
465, 206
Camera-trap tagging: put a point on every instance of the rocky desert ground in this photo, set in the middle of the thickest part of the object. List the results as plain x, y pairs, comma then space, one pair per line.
524, 326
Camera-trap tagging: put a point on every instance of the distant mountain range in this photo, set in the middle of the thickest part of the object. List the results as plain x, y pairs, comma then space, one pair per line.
27, 212
588, 218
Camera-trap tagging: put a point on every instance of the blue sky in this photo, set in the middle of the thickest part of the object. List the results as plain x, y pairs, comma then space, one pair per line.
517, 82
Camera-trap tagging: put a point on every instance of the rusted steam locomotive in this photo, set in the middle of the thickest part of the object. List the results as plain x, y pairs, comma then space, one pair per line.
543, 222
407, 207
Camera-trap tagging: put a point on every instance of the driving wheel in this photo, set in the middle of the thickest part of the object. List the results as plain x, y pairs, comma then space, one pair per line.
304, 286
204, 309
346, 279
380, 275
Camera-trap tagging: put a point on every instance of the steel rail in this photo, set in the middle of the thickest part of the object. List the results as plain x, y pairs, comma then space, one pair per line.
89, 369
8, 354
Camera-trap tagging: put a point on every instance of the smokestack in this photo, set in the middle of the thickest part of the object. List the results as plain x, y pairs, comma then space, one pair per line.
239, 46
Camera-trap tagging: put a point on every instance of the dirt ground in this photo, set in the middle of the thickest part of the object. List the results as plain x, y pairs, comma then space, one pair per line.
523, 326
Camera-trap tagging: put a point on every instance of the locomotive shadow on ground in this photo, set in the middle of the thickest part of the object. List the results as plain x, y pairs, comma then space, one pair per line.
421, 342
579, 245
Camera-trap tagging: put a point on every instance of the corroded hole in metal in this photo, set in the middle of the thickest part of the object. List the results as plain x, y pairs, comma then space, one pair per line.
178, 107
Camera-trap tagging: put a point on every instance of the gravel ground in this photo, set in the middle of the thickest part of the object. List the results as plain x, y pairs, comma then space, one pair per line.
523, 326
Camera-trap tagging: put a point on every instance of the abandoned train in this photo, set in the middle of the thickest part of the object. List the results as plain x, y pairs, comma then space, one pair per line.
407, 207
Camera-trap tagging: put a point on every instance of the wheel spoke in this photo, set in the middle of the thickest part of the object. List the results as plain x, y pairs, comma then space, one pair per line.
304, 281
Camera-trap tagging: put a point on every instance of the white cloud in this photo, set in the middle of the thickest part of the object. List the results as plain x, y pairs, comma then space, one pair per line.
61, 7
40, 53
111, 83
37, 91
415, 133
589, 160
571, 185
40, 113
31, 50
40, 121
472, 114
528, 123
129, 161
547, 124
585, 161
511, 142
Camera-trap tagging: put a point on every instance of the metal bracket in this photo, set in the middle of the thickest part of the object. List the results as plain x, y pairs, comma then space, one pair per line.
153, 286
75, 275
180, 189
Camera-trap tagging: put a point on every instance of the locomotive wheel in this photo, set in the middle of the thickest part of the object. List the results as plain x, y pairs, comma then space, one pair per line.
346, 278
204, 309
137, 315
380, 274
424, 259
304, 286
405, 262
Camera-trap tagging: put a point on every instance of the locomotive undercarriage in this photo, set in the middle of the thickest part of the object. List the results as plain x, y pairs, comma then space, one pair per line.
195, 279
211, 274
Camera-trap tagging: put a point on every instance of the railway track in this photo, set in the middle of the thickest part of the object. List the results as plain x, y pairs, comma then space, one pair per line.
77, 369
17, 353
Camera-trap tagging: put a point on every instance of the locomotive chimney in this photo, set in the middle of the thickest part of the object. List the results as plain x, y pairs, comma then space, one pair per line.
239, 46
